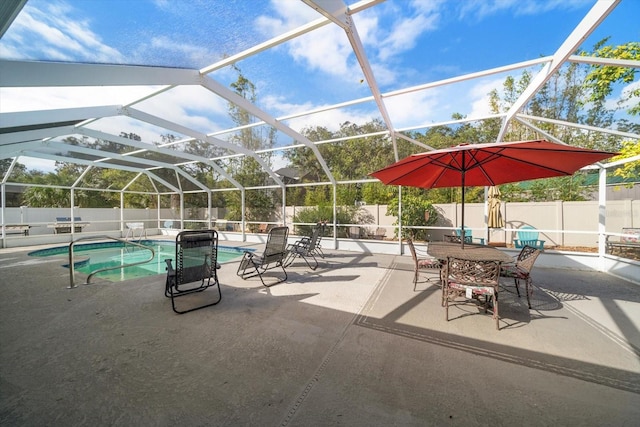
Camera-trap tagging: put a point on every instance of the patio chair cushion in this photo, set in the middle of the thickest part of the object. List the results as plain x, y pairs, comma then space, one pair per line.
474, 278
513, 271
477, 290
422, 262
429, 263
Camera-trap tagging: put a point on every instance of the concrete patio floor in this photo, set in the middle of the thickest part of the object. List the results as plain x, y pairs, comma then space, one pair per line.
351, 344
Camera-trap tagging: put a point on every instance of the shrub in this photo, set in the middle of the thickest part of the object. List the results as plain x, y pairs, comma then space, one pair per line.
413, 215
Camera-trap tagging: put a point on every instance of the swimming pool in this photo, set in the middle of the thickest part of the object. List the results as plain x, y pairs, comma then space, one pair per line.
89, 257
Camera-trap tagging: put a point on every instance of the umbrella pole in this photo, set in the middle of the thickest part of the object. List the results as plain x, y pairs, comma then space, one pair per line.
462, 230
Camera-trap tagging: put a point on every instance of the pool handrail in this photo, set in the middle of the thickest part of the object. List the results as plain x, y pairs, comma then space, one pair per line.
124, 241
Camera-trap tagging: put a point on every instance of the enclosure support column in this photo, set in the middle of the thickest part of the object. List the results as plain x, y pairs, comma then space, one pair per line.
400, 219
602, 215
335, 216
284, 205
209, 210
182, 210
73, 202
158, 198
2, 211
122, 211
486, 215
243, 194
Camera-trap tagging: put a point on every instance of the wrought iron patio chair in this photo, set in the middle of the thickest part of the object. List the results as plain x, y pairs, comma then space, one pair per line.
521, 270
304, 248
421, 261
472, 279
195, 270
273, 256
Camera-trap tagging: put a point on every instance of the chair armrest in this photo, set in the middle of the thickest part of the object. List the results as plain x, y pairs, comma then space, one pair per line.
170, 270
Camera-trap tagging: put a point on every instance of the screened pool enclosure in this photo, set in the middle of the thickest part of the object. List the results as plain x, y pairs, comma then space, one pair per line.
182, 132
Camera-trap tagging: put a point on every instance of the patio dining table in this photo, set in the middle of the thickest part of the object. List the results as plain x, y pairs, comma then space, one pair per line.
471, 252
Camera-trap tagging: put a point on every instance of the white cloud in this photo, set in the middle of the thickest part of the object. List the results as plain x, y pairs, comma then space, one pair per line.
46, 98
56, 33
414, 107
326, 49
482, 8
164, 46
173, 105
404, 33
332, 119
295, 14
36, 164
479, 96
329, 119
438, 104
190, 106
625, 101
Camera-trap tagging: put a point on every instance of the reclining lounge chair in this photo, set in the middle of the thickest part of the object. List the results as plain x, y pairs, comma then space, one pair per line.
305, 248
196, 269
273, 256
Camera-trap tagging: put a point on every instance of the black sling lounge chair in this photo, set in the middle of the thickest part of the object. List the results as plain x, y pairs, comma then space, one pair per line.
273, 256
305, 248
196, 269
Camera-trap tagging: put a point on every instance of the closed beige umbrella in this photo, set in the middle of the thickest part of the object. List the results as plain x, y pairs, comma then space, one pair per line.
495, 216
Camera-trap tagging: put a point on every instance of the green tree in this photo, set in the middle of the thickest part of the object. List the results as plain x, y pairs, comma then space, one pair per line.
602, 79
350, 157
18, 174
245, 169
631, 170
414, 209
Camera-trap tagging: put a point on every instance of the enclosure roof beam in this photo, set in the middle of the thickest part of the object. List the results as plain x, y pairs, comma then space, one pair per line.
114, 156
16, 121
57, 158
56, 74
149, 147
17, 139
452, 122
589, 23
338, 12
81, 177
609, 62
132, 181
166, 124
581, 126
540, 131
290, 35
241, 102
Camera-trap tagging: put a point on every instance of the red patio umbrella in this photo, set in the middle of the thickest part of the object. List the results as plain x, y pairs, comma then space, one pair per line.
488, 164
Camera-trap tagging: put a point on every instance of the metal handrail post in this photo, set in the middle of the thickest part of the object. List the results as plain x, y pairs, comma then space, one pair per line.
125, 242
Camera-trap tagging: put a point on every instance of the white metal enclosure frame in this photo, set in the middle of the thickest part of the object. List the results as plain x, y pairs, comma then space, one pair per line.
37, 134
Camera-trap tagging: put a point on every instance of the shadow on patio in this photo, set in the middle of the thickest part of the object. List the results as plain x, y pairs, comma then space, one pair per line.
350, 343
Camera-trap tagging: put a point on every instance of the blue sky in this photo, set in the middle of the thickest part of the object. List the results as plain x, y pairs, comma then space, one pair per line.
407, 42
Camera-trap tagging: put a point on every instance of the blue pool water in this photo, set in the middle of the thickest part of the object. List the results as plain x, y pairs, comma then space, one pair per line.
93, 256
